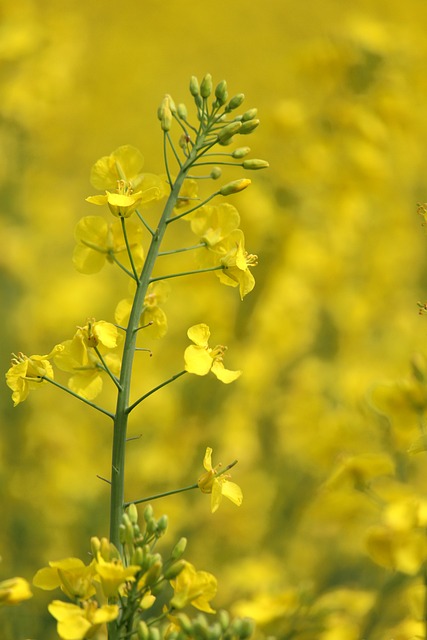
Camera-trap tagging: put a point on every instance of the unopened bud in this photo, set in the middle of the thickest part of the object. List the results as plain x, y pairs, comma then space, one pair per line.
148, 513
216, 173
206, 86
129, 532
132, 512
194, 86
162, 524
235, 101
248, 126
179, 548
182, 111
174, 570
137, 556
224, 619
142, 630
229, 130
235, 186
241, 152
250, 114
185, 623
153, 633
221, 92
95, 545
246, 628
153, 573
255, 163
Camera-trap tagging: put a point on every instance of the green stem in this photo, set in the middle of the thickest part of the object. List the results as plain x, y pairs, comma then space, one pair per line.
187, 273
76, 395
162, 495
125, 235
106, 367
122, 406
173, 251
201, 204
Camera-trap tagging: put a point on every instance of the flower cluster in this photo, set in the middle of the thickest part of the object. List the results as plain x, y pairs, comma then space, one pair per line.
137, 580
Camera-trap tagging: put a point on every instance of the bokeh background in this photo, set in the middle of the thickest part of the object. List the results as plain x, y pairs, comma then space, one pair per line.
328, 405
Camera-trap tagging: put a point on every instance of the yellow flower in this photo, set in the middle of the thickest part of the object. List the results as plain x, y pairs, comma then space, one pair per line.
236, 261
26, 373
121, 204
71, 575
214, 223
98, 241
77, 623
200, 358
113, 574
79, 357
194, 587
218, 485
152, 314
14, 591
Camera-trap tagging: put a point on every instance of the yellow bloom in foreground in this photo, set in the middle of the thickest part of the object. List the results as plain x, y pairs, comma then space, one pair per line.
113, 575
194, 587
77, 623
200, 358
71, 575
99, 241
218, 485
236, 261
14, 591
121, 204
26, 373
125, 163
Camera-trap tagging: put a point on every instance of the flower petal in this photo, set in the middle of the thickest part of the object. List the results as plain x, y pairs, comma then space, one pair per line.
197, 360
224, 375
199, 334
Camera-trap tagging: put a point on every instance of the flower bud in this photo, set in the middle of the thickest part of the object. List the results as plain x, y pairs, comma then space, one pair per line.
129, 533
194, 86
182, 111
234, 187
153, 573
179, 548
185, 623
255, 163
215, 173
248, 126
164, 112
162, 525
221, 92
132, 512
235, 101
246, 628
138, 556
229, 131
241, 152
206, 86
95, 546
142, 630
153, 633
224, 619
174, 570
250, 114
148, 513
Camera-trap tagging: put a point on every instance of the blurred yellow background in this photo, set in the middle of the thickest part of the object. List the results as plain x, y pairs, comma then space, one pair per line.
341, 90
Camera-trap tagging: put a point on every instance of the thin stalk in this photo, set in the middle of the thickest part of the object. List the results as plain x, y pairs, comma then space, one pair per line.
162, 495
173, 251
187, 273
159, 386
76, 395
106, 367
125, 235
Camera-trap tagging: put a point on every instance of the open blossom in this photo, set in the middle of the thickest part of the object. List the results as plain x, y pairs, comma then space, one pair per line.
79, 357
152, 316
71, 575
218, 485
199, 358
194, 587
213, 223
28, 372
99, 241
77, 623
113, 575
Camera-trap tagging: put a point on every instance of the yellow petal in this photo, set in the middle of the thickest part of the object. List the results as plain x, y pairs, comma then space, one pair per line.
224, 375
87, 260
199, 334
197, 360
207, 461
232, 491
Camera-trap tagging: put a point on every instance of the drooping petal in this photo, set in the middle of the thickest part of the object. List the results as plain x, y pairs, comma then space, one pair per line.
224, 375
106, 333
232, 491
207, 460
216, 496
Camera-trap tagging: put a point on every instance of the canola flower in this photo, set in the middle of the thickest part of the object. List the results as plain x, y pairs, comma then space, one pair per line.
200, 358
14, 590
28, 372
217, 484
79, 622
194, 587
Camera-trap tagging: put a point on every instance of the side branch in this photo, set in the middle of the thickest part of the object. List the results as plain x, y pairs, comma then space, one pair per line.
76, 395
149, 393
188, 273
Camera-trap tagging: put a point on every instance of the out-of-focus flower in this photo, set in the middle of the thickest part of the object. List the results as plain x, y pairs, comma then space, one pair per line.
99, 241
152, 314
79, 357
26, 373
214, 223
77, 623
236, 261
194, 587
218, 485
14, 591
113, 575
71, 575
200, 358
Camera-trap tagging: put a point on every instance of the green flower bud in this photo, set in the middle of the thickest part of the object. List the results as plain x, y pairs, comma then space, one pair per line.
95, 545
148, 513
122, 533
200, 627
174, 570
221, 93
179, 548
255, 163
142, 630
248, 126
241, 152
224, 619
215, 173
182, 111
132, 512
215, 631
250, 114
153, 633
235, 102
229, 130
162, 525
194, 86
206, 86
153, 573
246, 628
138, 556
234, 187
129, 532
185, 623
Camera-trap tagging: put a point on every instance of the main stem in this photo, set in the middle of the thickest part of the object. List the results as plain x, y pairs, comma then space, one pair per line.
122, 413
